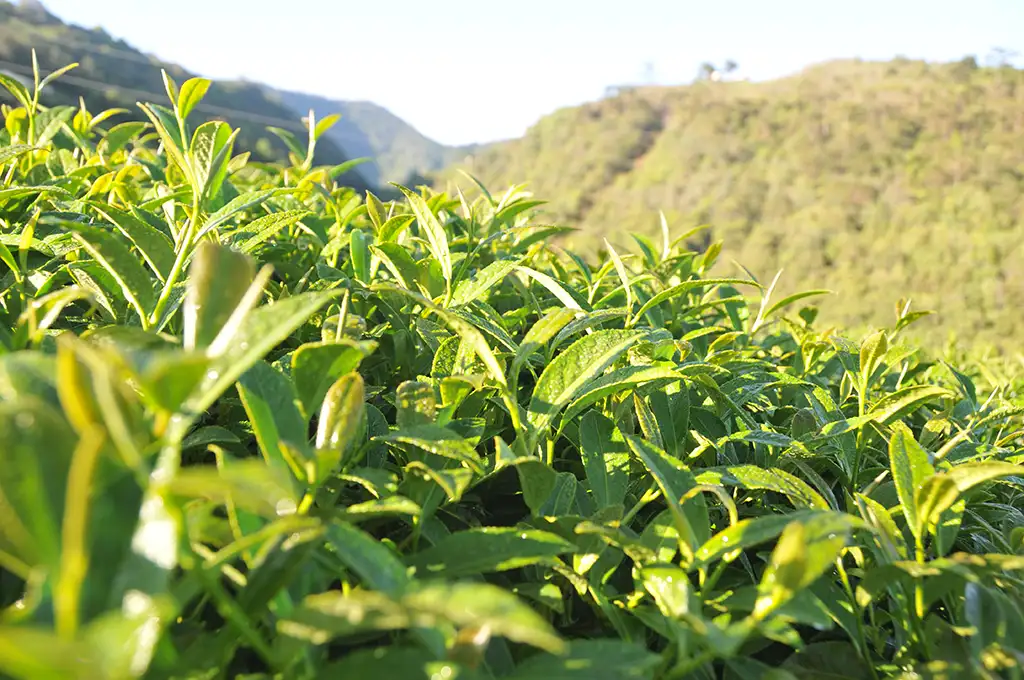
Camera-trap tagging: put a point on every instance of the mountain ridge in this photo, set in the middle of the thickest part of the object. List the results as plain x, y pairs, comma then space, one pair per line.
400, 152
895, 178
114, 74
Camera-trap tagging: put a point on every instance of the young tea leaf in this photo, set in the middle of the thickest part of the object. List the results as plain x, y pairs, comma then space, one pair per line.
570, 372
910, 468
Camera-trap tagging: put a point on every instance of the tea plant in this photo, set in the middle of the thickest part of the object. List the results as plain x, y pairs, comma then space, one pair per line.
256, 425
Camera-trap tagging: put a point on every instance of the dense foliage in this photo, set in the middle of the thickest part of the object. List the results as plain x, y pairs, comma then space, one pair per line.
253, 424
875, 180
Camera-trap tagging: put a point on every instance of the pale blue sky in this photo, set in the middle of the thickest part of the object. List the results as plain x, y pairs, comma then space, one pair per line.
468, 71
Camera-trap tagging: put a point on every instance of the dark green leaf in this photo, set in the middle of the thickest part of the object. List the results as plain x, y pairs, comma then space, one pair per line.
488, 549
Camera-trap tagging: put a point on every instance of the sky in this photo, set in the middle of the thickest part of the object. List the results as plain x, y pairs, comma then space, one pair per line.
465, 71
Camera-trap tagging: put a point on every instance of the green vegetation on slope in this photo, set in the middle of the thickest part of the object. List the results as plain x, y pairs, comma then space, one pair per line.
113, 75
254, 424
398, 151
877, 180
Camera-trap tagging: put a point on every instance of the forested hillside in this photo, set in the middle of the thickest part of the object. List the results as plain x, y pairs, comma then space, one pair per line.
113, 74
877, 180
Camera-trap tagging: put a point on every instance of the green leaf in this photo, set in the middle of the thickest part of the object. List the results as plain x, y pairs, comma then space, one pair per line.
118, 136
210, 152
201, 437
901, 403
36, 446
191, 93
478, 605
948, 526
316, 365
399, 262
54, 75
538, 482
746, 668
393, 661
939, 492
170, 86
262, 229
966, 384
997, 617
18, 192
13, 151
835, 660
415, 403
910, 468
686, 287
872, 352
875, 514
166, 127
236, 206
605, 459
19, 91
368, 558
246, 484
168, 377
584, 321
540, 334
487, 549
218, 280
436, 237
675, 480
795, 297
571, 371
338, 430
342, 168
290, 140
111, 252
375, 209
439, 441
360, 253
28, 375
259, 332
394, 227
385, 507
153, 244
670, 587
753, 477
620, 269
554, 287
470, 335
617, 382
594, 659
52, 121
806, 549
562, 499
753, 531
672, 411
482, 281
28, 653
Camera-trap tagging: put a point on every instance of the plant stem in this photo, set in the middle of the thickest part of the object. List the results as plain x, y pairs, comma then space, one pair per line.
858, 616
184, 249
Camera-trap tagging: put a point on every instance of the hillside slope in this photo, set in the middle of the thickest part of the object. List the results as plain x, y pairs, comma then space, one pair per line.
877, 180
112, 74
400, 153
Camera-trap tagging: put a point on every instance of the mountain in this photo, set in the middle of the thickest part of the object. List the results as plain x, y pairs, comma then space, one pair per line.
113, 74
400, 153
878, 180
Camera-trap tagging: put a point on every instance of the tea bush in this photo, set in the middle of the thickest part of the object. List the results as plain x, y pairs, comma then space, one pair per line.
254, 424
